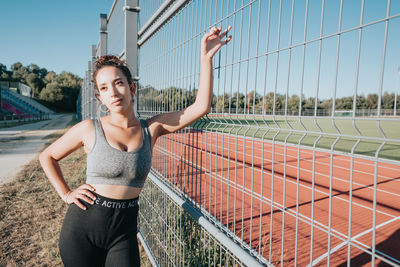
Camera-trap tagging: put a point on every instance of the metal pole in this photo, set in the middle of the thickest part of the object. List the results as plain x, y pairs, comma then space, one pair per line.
88, 89
131, 11
85, 96
395, 94
103, 34
149, 253
102, 51
92, 99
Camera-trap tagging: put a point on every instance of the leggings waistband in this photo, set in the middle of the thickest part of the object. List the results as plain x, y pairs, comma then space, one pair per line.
115, 203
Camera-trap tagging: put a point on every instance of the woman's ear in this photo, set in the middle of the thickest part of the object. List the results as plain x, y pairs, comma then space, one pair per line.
98, 97
133, 88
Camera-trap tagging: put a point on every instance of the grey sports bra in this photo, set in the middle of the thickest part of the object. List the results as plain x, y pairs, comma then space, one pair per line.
108, 165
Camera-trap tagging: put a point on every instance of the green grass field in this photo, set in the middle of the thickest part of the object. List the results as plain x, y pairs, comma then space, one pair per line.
307, 130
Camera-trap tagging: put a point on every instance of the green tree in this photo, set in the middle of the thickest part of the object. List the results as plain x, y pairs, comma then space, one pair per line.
33, 80
19, 72
57, 90
42, 73
279, 102
309, 104
51, 93
237, 100
269, 102
293, 103
33, 68
223, 102
372, 101
5, 75
61, 90
344, 103
360, 102
50, 77
70, 85
3, 69
387, 101
254, 101
325, 104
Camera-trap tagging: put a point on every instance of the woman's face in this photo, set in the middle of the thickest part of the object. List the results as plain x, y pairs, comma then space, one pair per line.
114, 90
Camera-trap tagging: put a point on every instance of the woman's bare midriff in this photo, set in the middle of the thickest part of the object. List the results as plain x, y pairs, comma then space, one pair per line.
117, 191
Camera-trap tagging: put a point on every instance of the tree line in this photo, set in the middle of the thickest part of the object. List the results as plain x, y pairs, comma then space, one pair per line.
174, 98
58, 91
61, 91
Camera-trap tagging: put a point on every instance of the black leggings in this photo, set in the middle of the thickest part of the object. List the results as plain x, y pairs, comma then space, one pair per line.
102, 235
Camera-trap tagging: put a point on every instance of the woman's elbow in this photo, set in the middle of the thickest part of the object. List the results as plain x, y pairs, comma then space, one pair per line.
204, 111
44, 157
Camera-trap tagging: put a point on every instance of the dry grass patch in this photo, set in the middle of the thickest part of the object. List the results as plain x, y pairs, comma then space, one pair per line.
31, 213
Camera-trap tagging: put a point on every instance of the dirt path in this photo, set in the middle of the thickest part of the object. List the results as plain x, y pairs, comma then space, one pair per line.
20, 144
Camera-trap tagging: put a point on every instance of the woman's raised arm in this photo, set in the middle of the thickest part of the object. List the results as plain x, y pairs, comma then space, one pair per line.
173, 121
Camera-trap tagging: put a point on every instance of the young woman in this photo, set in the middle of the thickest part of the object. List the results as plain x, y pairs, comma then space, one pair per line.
100, 226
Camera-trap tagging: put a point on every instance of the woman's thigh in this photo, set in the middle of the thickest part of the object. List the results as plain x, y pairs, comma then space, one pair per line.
125, 252
82, 237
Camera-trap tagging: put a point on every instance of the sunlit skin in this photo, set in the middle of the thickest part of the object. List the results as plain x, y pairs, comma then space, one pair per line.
122, 129
114, 91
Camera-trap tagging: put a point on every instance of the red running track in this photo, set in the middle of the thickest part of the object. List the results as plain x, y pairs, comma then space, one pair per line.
292, 205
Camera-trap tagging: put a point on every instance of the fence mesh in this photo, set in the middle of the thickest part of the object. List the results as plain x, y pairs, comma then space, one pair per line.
298, 160
174, 236
285, 163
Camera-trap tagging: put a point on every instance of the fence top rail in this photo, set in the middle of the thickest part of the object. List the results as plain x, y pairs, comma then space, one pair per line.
154, 17
111, 10
164, 17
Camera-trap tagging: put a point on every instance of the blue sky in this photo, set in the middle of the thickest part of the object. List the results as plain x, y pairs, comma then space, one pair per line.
254, 41
56, 35
371, 50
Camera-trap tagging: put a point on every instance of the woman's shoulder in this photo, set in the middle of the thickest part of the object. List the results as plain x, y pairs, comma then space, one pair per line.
152, 123
155, 120
83, 128
84, 125
86, 129
76, 136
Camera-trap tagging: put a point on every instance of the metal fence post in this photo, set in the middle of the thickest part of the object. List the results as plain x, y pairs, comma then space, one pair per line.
93, 100
102, 51
88, 100
131, 11
85, 96
103, 34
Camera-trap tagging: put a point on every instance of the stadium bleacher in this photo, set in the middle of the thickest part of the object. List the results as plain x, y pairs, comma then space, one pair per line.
12, 102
